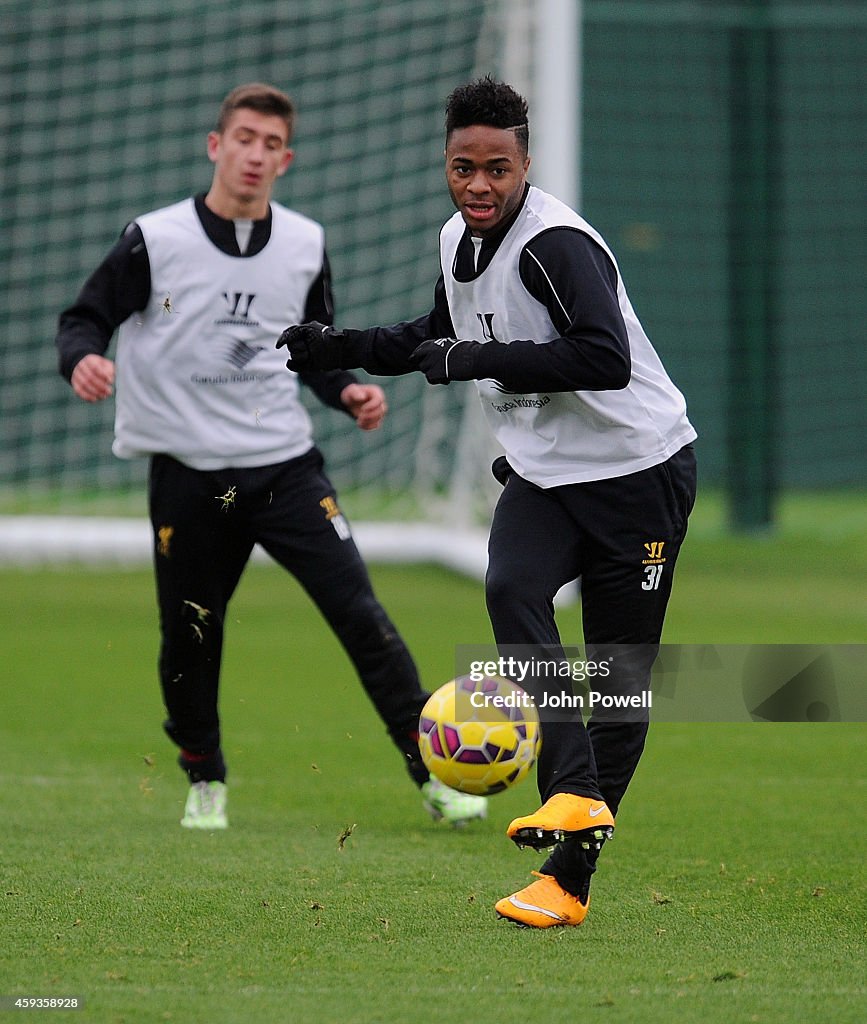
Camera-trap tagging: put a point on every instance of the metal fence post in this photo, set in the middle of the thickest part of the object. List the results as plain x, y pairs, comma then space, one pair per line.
751, 381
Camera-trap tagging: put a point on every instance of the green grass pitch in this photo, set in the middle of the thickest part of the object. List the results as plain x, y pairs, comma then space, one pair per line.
733, 892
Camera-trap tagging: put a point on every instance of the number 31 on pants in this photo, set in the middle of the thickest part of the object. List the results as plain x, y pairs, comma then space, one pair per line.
653, 574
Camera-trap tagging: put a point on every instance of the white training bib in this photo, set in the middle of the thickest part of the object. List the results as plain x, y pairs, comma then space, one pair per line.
563, 437
198, 374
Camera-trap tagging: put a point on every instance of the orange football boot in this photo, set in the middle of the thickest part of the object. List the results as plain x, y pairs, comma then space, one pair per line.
543, 904
564, 817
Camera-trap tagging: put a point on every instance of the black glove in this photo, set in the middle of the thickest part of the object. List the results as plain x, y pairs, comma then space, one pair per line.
445, 359
313, 346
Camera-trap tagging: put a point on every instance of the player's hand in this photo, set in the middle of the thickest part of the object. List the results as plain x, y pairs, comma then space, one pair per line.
445, 359
93, 378
366, 403
313, 346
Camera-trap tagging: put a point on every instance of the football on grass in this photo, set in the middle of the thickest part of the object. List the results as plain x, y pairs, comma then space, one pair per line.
479, 736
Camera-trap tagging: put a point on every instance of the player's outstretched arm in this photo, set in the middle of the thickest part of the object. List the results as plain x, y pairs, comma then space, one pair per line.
386, 351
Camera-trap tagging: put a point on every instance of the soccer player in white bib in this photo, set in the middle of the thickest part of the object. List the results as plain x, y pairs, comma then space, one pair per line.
198, 291
598, 472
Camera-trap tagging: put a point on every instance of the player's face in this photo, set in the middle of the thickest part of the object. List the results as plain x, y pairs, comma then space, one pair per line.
248, 156
486, 171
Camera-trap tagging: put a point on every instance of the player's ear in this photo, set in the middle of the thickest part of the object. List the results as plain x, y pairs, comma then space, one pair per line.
288, 157
213, 146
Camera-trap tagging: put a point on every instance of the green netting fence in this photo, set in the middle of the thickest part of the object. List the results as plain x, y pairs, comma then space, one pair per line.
723, 158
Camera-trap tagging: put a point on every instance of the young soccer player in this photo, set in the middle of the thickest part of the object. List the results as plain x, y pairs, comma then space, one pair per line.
198, 291
599, 469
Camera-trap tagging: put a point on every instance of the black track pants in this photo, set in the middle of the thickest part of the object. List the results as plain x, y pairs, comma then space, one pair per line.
622, 537
205, 525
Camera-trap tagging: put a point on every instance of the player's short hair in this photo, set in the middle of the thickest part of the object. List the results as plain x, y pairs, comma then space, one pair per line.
264, 99
486, 101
